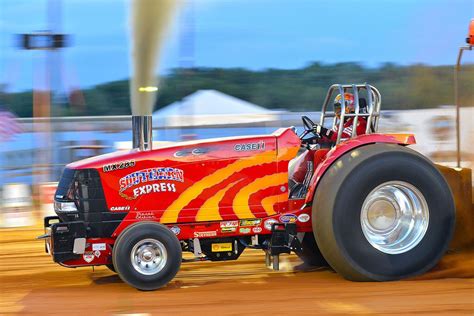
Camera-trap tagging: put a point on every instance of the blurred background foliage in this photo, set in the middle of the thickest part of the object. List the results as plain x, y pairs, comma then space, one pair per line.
402, 87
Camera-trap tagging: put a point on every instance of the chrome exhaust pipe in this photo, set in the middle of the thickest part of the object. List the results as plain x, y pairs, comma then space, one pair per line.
142, 132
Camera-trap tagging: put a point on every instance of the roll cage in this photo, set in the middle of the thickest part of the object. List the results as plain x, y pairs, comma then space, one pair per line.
368, 107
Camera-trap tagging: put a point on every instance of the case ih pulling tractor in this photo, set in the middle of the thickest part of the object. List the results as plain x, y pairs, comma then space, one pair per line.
369, 206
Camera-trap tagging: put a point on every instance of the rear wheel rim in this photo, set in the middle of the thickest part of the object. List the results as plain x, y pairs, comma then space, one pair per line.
148, 256
394, 217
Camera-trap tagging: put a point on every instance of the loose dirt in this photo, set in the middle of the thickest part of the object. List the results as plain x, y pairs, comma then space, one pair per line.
31, 283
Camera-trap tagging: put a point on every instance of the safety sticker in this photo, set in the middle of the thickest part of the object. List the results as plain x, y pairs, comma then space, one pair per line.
99, 247
88, 256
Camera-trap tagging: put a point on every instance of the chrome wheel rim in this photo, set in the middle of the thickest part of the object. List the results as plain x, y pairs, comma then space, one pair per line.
148, 256
394, 217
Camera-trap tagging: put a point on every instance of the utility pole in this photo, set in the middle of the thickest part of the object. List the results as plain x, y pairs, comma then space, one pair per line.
457, 69
46, 75
186, 52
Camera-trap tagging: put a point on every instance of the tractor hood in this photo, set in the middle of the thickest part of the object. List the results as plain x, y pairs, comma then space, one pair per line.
185, 152
183, 176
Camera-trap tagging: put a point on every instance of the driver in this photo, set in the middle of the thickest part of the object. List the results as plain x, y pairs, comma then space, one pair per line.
330, 136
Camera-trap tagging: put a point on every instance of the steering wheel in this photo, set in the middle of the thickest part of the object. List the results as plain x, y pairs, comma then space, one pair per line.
308, 125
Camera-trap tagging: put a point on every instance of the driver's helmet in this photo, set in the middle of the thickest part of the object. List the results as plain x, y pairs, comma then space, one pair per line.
349, 100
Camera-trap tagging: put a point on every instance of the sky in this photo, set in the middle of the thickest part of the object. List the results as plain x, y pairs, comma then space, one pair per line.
253, 34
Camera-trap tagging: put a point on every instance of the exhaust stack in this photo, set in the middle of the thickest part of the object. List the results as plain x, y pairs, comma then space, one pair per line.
149, 20
142, 132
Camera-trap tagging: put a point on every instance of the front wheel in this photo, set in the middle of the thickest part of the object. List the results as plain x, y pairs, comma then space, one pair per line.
382, 212
147, 255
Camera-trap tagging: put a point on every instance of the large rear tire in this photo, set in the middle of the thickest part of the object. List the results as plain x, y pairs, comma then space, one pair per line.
147, 255
382, 212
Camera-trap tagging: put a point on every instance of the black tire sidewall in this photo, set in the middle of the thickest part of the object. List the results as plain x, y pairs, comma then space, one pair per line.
111, 267
310, 254
129, 238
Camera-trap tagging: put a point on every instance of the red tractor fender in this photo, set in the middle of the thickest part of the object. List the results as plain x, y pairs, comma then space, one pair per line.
347, 146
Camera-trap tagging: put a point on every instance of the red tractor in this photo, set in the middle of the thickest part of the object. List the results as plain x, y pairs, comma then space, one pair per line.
364, 203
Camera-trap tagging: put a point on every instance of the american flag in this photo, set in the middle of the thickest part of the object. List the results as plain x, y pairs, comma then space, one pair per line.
8, 125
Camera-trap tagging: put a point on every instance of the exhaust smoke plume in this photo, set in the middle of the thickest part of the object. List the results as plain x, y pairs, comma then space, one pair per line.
149, 21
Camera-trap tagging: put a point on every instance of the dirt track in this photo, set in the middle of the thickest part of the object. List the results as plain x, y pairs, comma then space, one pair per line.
31, 283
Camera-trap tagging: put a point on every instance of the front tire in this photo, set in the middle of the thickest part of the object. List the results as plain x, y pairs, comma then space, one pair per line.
147, 255
382, 212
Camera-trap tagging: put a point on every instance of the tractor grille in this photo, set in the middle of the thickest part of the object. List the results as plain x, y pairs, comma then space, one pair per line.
84, 187
87, 191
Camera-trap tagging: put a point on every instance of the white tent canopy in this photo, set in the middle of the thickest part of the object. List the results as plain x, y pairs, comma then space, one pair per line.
211, 107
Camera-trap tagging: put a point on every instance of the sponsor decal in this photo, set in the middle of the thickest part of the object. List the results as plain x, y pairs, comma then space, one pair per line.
229, 224
119, 165
164, 177
250, 222
97, 253
153, 188
145, 215
244, 230
88, 256
98, 246
228, 229
205, 234
250, 146
269, 222
257, 230
221, 247
120, 208
288, 218
176, 230
303, 218
149, 175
